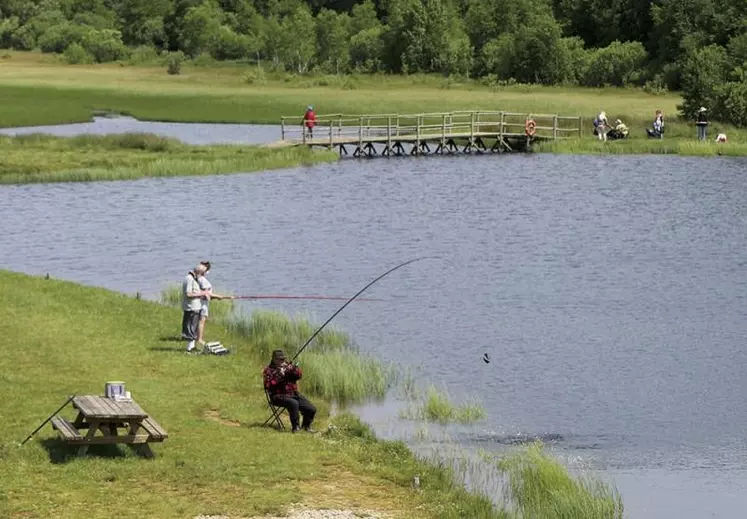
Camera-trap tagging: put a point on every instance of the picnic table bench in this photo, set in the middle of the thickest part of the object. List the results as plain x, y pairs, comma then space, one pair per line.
107, 416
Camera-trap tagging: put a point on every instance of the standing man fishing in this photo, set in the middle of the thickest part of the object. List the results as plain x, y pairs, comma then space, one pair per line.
208, 294
280, 378
192, 296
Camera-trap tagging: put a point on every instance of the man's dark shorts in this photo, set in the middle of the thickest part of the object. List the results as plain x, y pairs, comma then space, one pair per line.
190, 322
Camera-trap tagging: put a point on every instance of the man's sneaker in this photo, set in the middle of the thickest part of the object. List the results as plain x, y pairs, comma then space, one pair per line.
309, 430
295, 429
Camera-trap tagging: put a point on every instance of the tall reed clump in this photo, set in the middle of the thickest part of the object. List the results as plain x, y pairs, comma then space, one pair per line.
537, 485
332, 366
436, 406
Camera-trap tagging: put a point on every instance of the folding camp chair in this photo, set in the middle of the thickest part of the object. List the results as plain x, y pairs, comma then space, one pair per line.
275, 413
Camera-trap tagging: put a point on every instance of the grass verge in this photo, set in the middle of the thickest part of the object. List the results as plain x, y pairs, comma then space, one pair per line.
45, 158
676, 146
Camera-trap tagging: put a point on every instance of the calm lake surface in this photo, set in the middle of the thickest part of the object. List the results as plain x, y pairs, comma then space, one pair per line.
609, 292
187, 132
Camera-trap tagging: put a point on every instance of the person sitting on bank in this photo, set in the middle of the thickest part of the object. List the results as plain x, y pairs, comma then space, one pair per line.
658, 131
702, 123
309, 120
620, 131
280, 378
601, 125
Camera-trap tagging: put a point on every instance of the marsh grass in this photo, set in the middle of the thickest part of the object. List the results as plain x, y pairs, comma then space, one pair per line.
332, 366
46, 158
436, 406
537, 485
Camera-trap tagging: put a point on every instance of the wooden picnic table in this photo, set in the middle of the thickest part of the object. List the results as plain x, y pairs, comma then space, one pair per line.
107, 416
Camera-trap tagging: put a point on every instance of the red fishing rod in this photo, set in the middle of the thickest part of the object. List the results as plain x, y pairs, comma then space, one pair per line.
329, 298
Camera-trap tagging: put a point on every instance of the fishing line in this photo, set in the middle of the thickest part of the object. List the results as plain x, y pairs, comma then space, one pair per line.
354, 297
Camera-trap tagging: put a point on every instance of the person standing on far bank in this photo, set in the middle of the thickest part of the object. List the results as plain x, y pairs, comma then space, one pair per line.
702, 123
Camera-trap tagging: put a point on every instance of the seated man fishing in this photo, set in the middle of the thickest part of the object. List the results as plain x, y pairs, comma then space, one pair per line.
281, 379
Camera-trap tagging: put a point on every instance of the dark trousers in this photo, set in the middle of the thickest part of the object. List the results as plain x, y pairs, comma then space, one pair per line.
294, 404
190, 322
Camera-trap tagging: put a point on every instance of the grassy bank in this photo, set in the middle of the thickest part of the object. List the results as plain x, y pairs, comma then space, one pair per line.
667, 146
44, 158
63, 338
38, 89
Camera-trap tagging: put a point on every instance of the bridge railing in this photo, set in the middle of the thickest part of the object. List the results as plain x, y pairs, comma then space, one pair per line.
336, 128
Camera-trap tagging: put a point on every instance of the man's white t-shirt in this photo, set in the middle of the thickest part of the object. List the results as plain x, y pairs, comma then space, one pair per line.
190, 285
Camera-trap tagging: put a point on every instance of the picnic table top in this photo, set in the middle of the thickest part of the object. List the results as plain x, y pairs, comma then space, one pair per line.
92, 406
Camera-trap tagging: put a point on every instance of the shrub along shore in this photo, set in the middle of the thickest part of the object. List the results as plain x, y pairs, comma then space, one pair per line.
38, 89
64, 338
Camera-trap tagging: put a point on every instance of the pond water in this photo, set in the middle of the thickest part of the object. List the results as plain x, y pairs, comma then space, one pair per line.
609, 291
187, 132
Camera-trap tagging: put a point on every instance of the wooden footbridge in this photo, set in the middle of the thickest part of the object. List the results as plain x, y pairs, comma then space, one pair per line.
437, 133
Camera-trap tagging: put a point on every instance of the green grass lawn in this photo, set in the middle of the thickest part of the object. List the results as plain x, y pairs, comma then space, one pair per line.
61, 338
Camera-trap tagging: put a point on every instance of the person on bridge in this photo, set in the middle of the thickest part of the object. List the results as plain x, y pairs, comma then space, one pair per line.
309, 120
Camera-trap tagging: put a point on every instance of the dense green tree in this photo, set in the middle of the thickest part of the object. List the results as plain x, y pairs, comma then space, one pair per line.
333, 40
143, 21
617, 64
201, 28
104, 45
367, 50
703, 71
297, 45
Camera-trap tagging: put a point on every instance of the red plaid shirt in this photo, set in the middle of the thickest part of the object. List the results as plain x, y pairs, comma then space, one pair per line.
281, 381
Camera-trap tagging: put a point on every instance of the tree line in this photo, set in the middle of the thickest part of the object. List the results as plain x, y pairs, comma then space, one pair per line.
696, 46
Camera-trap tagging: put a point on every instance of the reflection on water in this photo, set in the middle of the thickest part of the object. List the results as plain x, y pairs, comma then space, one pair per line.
609, 292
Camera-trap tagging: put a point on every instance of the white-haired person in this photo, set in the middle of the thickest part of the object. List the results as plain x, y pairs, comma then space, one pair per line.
702, 123
207, 290
601, 125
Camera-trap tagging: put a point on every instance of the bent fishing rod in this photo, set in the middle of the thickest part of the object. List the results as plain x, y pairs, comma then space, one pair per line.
354, 298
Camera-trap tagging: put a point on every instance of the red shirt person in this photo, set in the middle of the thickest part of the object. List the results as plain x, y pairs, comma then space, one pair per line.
309, 120
280, 378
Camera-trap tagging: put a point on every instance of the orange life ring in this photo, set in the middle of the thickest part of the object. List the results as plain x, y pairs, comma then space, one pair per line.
530, 127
